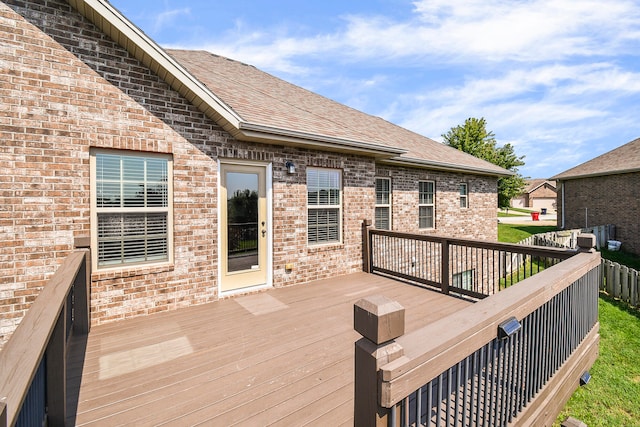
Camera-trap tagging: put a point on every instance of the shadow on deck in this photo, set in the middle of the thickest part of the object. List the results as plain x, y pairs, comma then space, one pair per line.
281, 357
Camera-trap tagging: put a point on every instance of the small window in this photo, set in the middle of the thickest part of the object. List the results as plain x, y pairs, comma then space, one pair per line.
324, 205
426, 204
131, 204
383, 204
463, 280
464, 196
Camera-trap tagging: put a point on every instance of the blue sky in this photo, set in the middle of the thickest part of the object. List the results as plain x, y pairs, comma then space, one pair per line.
558, 79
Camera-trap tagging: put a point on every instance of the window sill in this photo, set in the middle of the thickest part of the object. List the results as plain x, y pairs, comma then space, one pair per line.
321, 247
130, 271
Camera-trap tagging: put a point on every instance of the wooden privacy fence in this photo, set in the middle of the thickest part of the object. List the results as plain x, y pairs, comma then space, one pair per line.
620, 281
473, 268
33, 361
569, 238
513, 358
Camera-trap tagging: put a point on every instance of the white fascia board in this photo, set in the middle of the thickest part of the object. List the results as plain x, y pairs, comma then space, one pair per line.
253, 130
450, 167
594, 174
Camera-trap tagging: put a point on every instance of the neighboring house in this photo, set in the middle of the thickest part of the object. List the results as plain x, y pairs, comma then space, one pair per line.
603, 191
195, 176
538, 194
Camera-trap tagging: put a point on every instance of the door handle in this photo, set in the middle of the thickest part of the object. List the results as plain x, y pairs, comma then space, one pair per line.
264, 232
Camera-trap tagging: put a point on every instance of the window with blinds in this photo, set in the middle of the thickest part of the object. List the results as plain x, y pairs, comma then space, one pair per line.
383, 204
132, 208
426, 204
463, 280
324, 205
464, 196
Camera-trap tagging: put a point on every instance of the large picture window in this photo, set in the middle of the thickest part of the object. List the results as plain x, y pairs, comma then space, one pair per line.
383, 204
324, 205
426, 204
131, 208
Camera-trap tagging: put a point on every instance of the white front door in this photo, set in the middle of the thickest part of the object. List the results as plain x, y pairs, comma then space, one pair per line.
243, 209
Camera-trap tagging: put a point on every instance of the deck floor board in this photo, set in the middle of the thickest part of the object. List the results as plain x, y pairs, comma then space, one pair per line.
279, 357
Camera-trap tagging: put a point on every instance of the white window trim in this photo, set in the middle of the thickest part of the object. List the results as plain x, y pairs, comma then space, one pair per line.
316, 207
383, 205
464, 196
95, 210
433, 205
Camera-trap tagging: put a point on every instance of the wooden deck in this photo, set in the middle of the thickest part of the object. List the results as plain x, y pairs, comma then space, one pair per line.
280, 357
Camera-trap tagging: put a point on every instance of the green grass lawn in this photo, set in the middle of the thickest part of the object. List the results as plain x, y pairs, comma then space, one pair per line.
522, 210
612, 397
505, 215
513, 233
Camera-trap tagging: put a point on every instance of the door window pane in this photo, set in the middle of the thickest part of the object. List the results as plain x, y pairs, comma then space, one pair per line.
242, 221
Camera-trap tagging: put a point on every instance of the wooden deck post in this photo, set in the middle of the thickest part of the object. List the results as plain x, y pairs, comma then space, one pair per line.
82, 289
366, 246
586, 242
380, 321
445, 267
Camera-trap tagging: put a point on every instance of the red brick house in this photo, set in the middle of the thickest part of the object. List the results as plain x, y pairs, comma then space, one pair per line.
539, 194
603, 191
195, 176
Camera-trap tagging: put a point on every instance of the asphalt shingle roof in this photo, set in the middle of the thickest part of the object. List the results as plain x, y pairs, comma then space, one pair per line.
262, 99
533, 184
620, 160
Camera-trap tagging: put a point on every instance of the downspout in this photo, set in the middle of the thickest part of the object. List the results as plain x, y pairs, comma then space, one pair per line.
562, 195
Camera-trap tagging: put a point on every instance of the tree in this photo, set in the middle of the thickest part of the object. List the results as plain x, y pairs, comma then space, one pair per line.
473, 138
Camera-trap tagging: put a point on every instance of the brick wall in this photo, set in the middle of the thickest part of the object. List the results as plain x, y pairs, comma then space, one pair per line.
478, 221
66, 88
68, 93
609, 199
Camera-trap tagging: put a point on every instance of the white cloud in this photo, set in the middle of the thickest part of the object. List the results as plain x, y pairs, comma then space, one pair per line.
168, 18
542, 72
458, 32
551, 113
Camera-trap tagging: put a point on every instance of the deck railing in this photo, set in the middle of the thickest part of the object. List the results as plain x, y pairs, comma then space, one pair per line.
467, 267
33, 361
513, 358
242, 237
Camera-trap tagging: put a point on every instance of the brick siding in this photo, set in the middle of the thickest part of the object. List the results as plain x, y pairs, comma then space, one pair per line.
477, 221
611, 199
66, 88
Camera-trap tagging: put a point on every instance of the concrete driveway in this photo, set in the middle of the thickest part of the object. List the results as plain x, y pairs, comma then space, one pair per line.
548, 219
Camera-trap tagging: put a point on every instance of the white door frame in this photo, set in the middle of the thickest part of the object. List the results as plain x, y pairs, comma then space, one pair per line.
269, 189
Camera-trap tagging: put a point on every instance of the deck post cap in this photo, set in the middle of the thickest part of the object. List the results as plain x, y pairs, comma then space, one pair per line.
378, 318
586, 241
